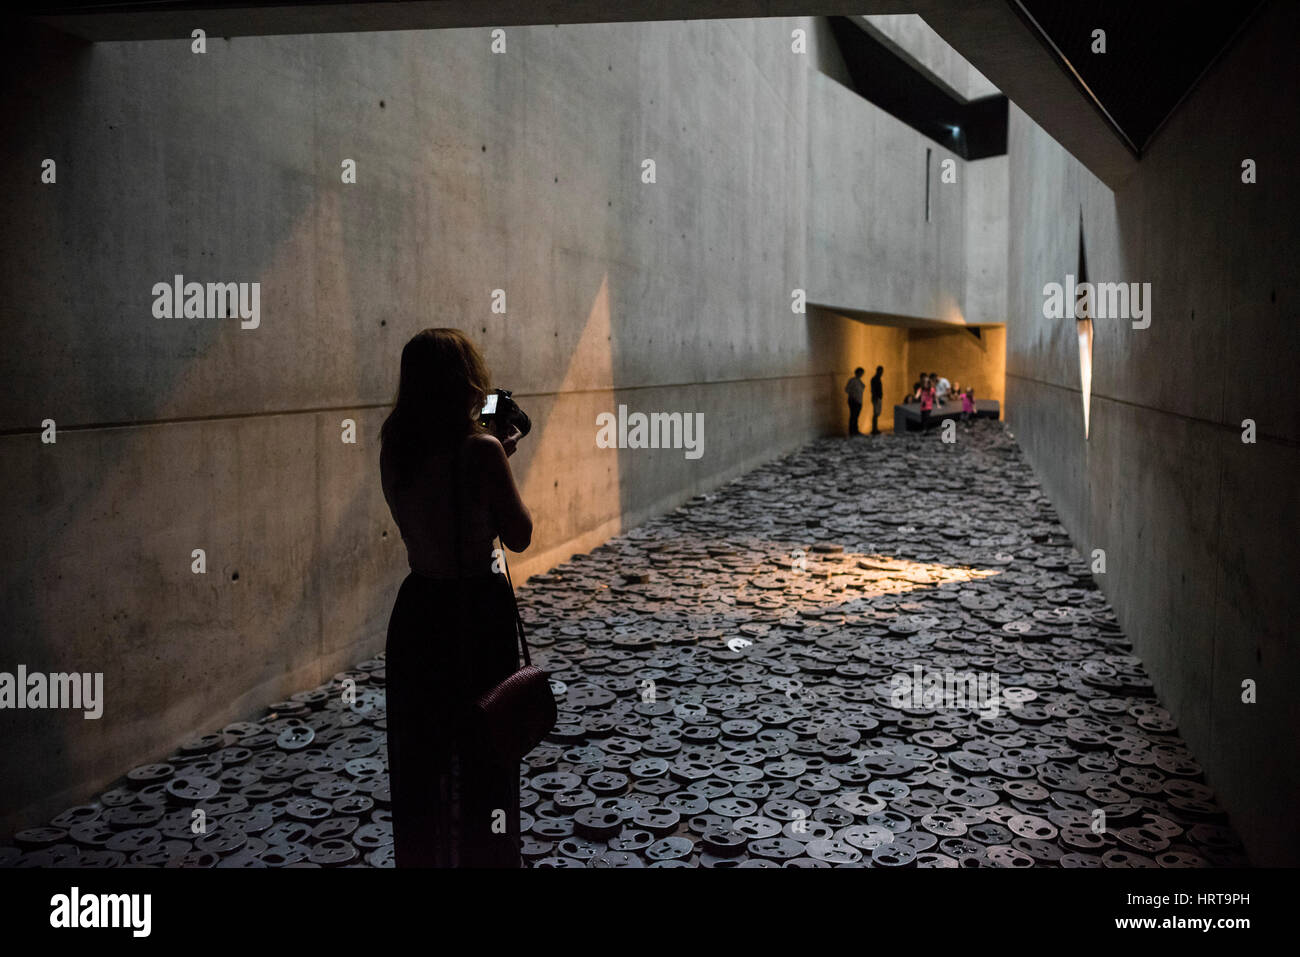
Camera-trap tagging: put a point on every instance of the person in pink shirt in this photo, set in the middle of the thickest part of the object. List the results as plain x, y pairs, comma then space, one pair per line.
927, 401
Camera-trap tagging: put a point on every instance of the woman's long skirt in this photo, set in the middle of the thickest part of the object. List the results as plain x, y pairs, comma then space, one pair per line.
448, 642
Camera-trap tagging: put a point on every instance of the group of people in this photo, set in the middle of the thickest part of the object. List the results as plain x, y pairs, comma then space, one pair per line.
930, 390
933, 389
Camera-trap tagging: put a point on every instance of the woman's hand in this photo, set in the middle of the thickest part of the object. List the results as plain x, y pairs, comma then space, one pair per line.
511, 441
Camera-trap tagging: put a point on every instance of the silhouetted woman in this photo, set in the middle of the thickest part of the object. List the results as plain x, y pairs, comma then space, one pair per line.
452, 634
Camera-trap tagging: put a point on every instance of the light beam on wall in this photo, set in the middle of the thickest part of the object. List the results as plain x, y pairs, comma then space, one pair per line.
1085, 368
1083, 326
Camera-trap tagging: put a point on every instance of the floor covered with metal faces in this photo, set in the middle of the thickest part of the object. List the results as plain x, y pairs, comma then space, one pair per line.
879, 652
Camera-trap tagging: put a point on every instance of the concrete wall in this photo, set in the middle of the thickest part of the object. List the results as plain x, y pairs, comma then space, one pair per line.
475, 172
987, 204
1198, 528
869, 244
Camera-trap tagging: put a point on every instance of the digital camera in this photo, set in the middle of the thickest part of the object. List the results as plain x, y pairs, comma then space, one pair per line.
501, 415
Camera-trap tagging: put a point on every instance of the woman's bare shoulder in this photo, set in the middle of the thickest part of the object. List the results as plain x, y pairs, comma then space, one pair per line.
483, 443
484, 450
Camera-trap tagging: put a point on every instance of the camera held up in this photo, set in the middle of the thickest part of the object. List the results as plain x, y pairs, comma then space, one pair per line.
501, 415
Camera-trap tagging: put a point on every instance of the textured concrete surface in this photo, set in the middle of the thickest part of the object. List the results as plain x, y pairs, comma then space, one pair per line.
1197, 526
869, 244
987, 206
475, 172
993, 45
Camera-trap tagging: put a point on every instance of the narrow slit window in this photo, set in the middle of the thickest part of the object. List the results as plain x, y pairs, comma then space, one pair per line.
927, 184
1083, 326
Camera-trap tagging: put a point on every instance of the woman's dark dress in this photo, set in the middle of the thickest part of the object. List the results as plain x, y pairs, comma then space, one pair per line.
451, 637
448, 641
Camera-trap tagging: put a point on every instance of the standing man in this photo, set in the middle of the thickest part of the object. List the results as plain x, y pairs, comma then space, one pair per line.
854, 389
877, 393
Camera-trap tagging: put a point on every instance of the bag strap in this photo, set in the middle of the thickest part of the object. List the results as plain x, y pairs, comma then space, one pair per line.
514, 600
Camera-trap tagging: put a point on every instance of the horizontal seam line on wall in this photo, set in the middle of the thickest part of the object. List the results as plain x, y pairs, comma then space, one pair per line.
1280, 440
139, 423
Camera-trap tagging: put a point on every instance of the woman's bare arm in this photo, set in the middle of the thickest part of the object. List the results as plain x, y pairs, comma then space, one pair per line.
513, 521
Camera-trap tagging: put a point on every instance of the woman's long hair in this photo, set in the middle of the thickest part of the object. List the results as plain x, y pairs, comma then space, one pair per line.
442, 386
